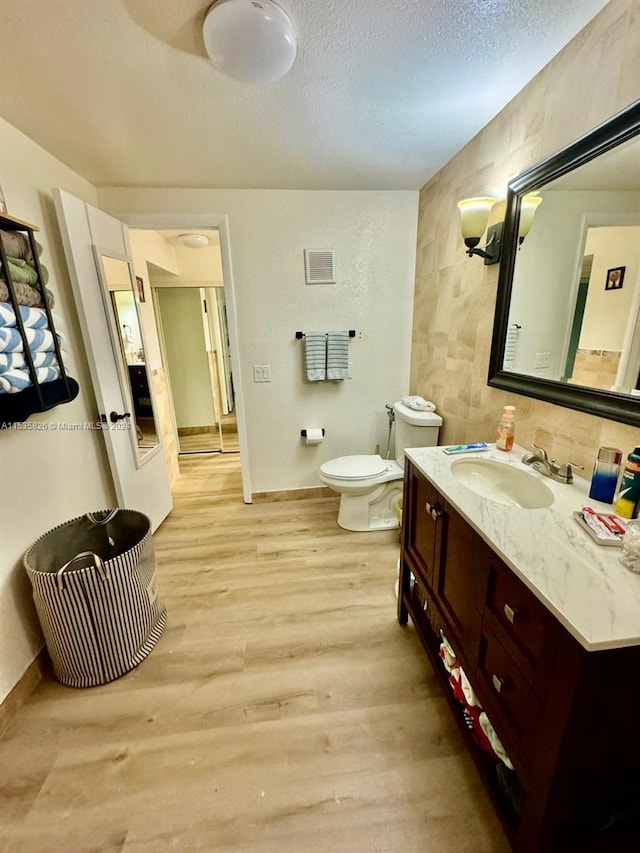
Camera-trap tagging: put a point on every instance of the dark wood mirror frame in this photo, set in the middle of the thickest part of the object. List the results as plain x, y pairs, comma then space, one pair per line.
605, 404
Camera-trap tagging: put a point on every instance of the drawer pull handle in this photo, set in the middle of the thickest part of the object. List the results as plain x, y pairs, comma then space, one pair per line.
510, 613
497, 682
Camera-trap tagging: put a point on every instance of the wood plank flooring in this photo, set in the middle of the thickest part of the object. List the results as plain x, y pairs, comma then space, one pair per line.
284, 709
208, 439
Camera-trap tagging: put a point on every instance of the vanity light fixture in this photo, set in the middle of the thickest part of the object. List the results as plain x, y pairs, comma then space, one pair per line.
193, 241
474, 214
251, 40
528, 208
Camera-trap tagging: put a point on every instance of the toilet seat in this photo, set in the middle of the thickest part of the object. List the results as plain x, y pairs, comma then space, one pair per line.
354, 467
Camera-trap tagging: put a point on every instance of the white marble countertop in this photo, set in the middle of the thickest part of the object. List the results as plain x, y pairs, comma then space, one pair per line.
583, 584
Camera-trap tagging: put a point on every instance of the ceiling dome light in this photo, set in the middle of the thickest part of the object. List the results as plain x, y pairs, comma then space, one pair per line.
194, 241
251, 40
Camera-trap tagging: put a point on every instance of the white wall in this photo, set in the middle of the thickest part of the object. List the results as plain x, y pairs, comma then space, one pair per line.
607, 311
48, 475
147, 247
545, 282
374, 235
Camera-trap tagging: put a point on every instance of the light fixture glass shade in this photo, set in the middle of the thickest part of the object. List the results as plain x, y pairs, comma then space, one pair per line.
474, 215
194, 241
250, 40
528, 208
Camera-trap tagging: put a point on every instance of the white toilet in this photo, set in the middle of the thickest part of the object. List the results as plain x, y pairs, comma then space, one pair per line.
370, 485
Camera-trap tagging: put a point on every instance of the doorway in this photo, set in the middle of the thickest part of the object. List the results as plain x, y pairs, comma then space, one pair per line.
159, 268
194, 338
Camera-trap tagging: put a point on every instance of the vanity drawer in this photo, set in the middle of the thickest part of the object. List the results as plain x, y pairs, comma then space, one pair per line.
507, 696
524, 625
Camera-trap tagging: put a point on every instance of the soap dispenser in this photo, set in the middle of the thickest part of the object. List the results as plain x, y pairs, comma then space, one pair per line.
506, 429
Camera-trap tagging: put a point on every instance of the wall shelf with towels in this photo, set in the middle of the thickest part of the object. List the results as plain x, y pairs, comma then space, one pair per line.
27, 341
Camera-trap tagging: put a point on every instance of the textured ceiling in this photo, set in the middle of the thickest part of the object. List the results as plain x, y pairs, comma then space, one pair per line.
381, 94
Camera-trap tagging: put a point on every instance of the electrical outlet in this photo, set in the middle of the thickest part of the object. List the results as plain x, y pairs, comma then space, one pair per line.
543, 359
262, 373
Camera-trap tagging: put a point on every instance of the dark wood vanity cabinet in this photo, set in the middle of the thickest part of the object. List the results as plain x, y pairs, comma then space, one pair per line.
565, 716
140, 391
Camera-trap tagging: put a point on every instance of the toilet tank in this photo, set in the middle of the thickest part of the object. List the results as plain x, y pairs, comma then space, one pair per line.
414, 429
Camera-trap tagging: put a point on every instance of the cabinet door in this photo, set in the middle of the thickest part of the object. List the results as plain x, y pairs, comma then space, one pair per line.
424, 526
461, 584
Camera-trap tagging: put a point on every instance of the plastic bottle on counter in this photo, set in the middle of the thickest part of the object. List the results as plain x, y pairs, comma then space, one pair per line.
605, 474
506, 429
628, 502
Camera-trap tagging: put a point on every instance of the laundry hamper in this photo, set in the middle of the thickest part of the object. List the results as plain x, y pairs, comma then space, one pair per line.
95, 590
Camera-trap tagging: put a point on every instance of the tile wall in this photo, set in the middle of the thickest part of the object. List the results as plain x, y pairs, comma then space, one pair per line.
593, 77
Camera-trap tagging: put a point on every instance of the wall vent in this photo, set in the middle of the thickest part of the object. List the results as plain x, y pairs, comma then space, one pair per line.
320, 266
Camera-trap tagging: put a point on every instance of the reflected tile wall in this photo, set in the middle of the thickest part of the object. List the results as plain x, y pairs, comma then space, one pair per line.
593, 77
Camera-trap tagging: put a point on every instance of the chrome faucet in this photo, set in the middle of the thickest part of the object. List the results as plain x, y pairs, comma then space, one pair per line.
562, 473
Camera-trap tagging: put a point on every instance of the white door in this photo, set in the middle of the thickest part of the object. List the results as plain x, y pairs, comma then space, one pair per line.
101, 269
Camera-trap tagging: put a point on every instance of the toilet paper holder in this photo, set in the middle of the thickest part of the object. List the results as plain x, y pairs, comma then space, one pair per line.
303, 433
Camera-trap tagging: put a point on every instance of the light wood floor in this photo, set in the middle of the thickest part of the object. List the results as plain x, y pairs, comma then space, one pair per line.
208, 439
283, 711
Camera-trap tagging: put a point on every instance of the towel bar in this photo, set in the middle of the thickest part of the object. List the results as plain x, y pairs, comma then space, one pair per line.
300, 335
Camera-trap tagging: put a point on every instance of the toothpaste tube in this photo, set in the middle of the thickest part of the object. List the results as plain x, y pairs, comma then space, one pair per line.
466, 448
604, 525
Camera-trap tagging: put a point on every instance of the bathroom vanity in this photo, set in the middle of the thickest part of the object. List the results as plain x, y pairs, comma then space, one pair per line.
545, 624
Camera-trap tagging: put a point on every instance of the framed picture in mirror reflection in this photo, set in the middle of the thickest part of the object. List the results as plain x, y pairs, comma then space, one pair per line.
140, 287
615, 277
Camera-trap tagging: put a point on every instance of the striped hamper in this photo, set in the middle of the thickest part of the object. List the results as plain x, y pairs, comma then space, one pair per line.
96, 594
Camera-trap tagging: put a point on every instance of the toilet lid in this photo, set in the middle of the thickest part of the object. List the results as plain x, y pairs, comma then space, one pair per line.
354, 467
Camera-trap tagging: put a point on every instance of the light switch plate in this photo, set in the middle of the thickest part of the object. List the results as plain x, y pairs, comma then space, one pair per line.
262, 373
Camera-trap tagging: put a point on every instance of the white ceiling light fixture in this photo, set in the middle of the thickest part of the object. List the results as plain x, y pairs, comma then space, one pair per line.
251, 40
193, 241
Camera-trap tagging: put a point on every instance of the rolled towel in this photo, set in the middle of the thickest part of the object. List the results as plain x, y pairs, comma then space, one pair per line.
16, 244
14, 381
17, 360
419, 404
38, 340
26, 294
20, 271
32, 318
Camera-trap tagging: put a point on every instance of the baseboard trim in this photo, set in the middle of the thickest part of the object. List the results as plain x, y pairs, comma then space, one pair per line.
23, 689
294, 494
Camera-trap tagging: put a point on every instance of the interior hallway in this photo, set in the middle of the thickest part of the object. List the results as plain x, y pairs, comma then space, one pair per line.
284, 709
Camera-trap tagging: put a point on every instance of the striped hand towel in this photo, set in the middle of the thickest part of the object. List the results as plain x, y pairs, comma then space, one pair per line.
315, 356
337, 355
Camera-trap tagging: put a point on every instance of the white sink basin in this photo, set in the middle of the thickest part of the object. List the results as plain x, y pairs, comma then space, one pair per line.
502, 483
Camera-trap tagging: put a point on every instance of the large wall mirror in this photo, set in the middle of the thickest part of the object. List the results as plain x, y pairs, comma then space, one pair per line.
121, 306
567, 322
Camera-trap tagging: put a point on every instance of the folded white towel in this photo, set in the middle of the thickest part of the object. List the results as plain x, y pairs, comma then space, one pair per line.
337, 355
315, 356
